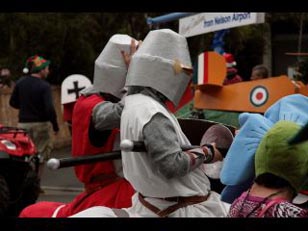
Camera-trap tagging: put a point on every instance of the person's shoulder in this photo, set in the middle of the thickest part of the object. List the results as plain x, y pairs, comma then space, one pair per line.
44, 83
291, 210
21, 78
140, 100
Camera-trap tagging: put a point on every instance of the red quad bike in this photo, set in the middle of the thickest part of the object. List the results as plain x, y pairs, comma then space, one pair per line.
19, 161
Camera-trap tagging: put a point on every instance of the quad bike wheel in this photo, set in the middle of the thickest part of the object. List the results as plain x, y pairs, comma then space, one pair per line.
29, 194
31, 191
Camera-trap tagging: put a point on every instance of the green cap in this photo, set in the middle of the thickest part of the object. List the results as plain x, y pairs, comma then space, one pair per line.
274, 155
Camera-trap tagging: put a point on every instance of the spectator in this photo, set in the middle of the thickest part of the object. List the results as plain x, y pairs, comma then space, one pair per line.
259, 72
238, 170
5, 79
281, 171
33, 97
232, 73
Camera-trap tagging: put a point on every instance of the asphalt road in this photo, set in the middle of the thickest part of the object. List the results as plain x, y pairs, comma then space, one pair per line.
60, 185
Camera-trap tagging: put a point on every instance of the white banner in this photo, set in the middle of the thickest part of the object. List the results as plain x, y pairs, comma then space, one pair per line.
208, 22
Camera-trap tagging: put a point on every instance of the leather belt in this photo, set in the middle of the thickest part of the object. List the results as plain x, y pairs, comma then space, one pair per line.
181, 202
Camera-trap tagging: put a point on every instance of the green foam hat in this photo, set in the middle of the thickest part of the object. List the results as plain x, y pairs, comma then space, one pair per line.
276, 156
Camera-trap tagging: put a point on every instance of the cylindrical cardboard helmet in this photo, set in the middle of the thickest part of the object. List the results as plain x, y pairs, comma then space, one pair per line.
110, 69
161, 62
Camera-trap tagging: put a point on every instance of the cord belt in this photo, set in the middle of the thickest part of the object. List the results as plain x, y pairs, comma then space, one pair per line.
181, 202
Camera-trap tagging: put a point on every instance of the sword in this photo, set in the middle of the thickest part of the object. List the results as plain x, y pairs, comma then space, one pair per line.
138, 146
126, 145
54, 163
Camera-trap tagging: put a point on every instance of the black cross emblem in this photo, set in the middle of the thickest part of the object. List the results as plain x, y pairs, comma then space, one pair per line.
75, 90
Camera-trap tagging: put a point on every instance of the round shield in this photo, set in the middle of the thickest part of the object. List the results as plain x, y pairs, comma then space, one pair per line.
222, 137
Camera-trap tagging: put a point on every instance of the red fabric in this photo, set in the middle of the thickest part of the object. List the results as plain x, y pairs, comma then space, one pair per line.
304, 192
112, 192
68, 111
186, 98
206, 68
116, 195
81, 145
235, 79
229, 58
40, 209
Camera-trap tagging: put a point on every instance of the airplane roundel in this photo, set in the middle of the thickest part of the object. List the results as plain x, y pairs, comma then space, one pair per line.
258, 96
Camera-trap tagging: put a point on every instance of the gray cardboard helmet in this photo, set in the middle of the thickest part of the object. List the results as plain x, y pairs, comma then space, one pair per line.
158, 64
110, 69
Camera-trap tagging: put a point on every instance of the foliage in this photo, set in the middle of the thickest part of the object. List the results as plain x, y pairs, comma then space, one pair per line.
72, 41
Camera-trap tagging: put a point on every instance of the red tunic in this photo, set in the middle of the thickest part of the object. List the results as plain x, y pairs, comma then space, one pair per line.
81, 145
102, 186
68, 111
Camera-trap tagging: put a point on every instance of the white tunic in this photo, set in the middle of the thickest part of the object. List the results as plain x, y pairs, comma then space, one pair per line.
145, 177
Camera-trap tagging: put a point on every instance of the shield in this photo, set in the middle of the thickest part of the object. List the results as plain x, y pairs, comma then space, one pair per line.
71, 87
223, 137
194, 129
200, 132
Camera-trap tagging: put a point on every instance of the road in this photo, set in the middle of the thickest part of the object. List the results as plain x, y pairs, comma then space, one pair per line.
60, 185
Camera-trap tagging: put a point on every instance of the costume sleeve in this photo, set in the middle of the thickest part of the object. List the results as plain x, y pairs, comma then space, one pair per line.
107, 115
162, 145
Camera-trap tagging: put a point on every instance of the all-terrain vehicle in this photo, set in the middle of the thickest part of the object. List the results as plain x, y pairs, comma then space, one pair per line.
19, 161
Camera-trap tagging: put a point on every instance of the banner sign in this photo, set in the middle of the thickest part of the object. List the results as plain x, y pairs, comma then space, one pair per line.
208, 22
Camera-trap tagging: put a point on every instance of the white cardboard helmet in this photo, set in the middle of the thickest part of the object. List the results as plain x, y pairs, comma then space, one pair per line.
159, 63
110, 69
71, 87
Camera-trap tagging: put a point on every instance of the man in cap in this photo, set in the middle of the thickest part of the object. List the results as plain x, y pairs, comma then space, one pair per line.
32, 96
169, 182
103, 181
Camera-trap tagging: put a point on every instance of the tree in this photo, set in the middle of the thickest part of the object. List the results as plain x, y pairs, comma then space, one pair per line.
72, 41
